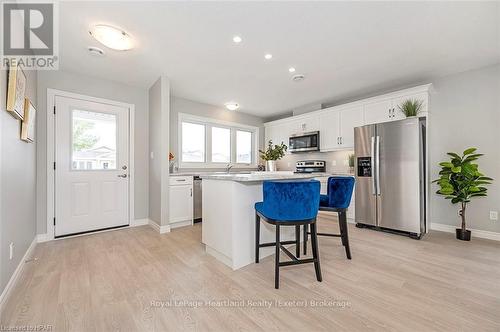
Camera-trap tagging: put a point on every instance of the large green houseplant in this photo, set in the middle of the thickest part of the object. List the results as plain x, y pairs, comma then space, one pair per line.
271, 154
460, 181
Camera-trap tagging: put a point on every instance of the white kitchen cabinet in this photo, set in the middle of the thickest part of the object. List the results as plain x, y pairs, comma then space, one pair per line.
378, 111
349, 119
181, 201
305, 125
329, 130
323, 180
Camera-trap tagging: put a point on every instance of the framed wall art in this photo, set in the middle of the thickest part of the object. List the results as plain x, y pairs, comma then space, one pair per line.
29, 121
16, 91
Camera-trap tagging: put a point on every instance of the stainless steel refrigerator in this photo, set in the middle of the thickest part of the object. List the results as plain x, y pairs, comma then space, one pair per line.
390, 176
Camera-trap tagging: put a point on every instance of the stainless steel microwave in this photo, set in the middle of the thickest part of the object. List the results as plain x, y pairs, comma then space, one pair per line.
304, 142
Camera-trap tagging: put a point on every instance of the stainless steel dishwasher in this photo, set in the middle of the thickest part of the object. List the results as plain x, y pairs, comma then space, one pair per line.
197, 201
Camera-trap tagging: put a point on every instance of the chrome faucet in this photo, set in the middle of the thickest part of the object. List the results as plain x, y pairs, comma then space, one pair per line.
228, 167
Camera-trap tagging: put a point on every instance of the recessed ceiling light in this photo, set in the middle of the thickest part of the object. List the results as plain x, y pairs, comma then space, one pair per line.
237, 39
96, 51
291, 70
268, 56
232, 106
111, 37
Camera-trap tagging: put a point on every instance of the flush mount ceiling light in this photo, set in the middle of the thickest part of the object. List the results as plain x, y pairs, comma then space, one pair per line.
268, 56
298, 78
112, 37
95, 51
291, 70
237, 39
232, 106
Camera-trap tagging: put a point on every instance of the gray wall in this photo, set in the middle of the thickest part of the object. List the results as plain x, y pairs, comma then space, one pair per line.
155, 150
465, 112
180, 105
95, 88
159, 101
17, 183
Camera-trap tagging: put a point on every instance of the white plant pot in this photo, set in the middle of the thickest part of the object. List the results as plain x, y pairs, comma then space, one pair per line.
271, 166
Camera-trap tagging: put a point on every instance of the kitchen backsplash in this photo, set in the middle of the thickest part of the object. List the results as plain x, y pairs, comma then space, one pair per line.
337, 161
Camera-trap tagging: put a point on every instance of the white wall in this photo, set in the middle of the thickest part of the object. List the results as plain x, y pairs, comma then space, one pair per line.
465, 112
180, 105
17, 183
159, 111
95, 88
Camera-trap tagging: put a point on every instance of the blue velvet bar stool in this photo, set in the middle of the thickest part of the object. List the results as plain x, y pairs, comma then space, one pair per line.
289, 203
340, 190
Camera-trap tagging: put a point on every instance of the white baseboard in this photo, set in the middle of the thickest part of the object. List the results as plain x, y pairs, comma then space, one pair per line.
474, 232
17, 273
41, 238
181, 224
160, 229
139, 222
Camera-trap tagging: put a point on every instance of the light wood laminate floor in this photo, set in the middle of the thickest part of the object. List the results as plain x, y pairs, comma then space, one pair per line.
138, 280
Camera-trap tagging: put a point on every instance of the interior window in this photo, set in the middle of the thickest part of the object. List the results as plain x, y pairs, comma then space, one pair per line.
193, 142
243, 147
221, 145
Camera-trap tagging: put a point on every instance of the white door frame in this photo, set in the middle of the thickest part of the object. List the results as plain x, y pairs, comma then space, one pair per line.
51, 149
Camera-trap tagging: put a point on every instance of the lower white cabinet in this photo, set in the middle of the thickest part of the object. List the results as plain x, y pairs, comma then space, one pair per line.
181, 201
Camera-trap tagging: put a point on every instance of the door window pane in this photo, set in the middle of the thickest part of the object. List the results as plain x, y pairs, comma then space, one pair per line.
221, 145
193, 142
93, 140
243, 147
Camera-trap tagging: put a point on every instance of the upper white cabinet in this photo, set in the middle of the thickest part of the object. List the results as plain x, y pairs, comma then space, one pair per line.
336, 124
329, 131
305, 124
386, 110
378, 111
349, 119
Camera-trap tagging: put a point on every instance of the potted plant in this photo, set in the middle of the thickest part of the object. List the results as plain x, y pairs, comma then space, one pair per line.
411, 107
351, 163
271, 154
461, 181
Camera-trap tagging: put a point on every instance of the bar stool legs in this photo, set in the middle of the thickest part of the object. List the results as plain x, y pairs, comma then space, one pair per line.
343, 233
257, 238
315, 251
306, 232
280, 246
277, 259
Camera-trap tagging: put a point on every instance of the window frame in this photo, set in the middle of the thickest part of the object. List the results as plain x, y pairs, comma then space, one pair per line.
209, 123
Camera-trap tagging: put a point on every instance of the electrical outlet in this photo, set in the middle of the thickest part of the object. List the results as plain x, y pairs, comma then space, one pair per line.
288, 165
11, 250
346, 162
152, 155
334, 163
494, 215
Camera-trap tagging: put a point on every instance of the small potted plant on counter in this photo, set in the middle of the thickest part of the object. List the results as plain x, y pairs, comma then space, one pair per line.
351, 163
461, 181
411, 107
271, 154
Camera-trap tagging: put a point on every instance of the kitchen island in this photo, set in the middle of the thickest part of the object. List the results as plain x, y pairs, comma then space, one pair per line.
228, 229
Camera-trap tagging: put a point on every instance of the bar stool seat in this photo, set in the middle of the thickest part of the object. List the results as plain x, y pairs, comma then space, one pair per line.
289, 203
340, 190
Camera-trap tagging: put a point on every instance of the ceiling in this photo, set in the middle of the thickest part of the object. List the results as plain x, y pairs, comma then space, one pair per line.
345, 49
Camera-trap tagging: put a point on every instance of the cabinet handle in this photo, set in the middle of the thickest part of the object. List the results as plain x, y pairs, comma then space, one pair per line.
341, 140
191, 192
180, 180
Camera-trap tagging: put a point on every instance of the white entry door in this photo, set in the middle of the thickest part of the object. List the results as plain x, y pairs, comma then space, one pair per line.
91, 170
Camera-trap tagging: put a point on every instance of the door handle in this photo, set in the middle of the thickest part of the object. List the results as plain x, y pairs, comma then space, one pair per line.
122, 176
374, 177
377, 161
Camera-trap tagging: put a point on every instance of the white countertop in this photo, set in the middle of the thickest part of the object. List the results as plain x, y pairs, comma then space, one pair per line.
257, 176
252, 176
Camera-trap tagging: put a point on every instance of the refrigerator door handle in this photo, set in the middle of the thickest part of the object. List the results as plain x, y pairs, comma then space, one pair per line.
377, 163
374, 177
